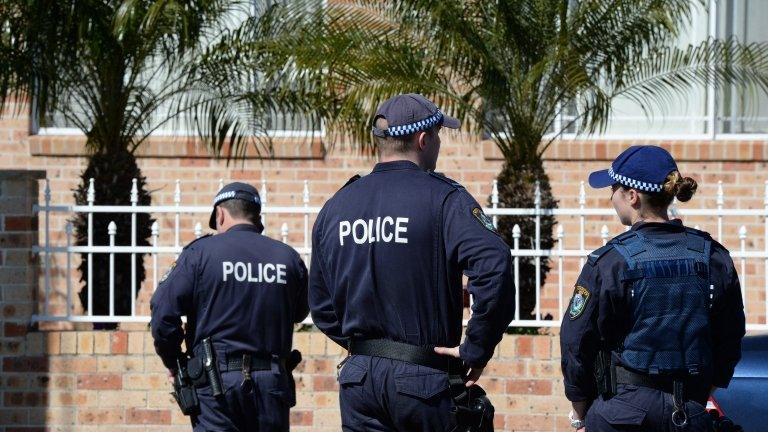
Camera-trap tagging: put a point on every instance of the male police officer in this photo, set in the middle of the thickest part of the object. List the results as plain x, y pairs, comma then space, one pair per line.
241, 293
389, 250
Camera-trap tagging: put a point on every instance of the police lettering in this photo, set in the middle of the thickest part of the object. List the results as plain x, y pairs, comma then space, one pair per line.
269, 273
380, 229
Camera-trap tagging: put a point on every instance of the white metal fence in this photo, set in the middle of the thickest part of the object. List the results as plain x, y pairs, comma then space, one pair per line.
576, 228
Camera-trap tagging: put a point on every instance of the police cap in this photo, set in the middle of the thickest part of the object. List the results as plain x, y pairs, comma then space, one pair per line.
641, 167
236, 190
410, 113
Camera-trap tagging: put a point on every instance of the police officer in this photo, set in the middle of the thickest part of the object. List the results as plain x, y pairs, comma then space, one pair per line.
241, 292
386, 280
656, 318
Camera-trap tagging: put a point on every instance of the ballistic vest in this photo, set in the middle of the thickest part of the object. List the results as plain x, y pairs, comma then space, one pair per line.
670, 298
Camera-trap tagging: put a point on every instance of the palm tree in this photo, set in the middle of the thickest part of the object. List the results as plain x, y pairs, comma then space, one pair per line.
119, 70
509, 68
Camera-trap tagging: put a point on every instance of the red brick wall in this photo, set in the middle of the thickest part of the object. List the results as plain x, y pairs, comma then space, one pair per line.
78, 380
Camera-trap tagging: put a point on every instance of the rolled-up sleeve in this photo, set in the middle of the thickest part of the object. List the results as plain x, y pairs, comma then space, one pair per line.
485, 259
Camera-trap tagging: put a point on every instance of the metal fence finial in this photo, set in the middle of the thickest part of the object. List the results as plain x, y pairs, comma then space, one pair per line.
604, 234
47, 192
198, 230
516, 231
284, 232
263, 191
155, 229
112, 228
720, 193
560, 232
305, 194
537, 195
91, 195
221, 183
582, 194
177, 193
134, 192
495, 194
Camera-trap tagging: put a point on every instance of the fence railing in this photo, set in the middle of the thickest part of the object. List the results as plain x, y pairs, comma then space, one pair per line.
754, 283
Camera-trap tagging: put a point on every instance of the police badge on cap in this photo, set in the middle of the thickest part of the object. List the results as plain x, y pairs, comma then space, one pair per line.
236, 190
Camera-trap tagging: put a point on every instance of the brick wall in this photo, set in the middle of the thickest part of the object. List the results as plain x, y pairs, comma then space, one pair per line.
80, 379
87, 381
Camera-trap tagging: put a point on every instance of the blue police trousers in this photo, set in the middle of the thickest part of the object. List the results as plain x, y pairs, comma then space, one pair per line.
264, 409
378, 394
637, 408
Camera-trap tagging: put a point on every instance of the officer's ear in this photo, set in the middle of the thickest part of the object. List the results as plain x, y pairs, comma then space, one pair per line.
219, 216
421, 140
634, 197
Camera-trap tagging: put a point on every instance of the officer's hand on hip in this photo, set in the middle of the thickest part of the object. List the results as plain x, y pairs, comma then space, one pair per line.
474, 373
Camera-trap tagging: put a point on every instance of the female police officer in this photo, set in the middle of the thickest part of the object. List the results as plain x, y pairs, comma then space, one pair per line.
656, 318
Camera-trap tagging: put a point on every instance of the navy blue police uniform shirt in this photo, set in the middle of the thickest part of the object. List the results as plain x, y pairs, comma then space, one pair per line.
243, 290
389, 252
605, 317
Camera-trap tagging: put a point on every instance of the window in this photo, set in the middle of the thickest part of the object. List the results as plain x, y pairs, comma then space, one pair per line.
738, 110
279, 125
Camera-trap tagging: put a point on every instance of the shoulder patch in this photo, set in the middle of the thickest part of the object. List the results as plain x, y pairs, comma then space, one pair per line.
351, 180
578, 302
598, 253
445, 179
483, 218
167, 273
197, 239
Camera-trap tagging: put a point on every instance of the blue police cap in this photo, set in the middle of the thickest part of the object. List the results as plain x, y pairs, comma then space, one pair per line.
410, 113
641, 167
236, 190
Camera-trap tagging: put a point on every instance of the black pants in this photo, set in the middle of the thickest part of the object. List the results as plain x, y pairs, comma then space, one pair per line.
378, 394
637, 408
265, 409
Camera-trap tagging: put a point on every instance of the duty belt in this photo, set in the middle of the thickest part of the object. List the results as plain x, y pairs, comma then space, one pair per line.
423, 356
235, 363
664, 384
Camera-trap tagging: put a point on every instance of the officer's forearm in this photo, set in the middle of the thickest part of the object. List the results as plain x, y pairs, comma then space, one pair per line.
580, 409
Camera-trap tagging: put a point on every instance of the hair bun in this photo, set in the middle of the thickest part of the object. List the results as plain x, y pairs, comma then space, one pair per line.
685, 188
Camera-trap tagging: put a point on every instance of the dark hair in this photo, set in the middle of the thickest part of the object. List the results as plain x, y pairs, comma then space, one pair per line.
242, 209
400, 144
675, 186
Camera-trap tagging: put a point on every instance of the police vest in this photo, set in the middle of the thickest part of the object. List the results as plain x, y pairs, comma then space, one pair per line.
670, 297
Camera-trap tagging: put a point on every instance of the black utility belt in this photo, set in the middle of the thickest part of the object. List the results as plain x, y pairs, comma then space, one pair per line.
422, 356
662, 383
241, 362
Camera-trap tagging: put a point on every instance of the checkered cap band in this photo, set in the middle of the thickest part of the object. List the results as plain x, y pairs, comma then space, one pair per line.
635, 184
420, 125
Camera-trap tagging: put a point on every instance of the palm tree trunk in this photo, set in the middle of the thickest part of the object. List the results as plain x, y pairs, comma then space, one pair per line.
517, 185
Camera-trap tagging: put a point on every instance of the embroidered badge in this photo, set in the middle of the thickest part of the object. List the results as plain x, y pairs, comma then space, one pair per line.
578, 302
168, 272
484, 220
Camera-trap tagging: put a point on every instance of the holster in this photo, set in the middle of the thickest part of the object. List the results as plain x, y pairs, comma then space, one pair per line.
184, 390
472, 410
605, 374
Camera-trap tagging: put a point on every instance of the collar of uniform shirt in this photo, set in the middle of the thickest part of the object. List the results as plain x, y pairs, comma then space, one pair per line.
674, 225
244, 227
395, 165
